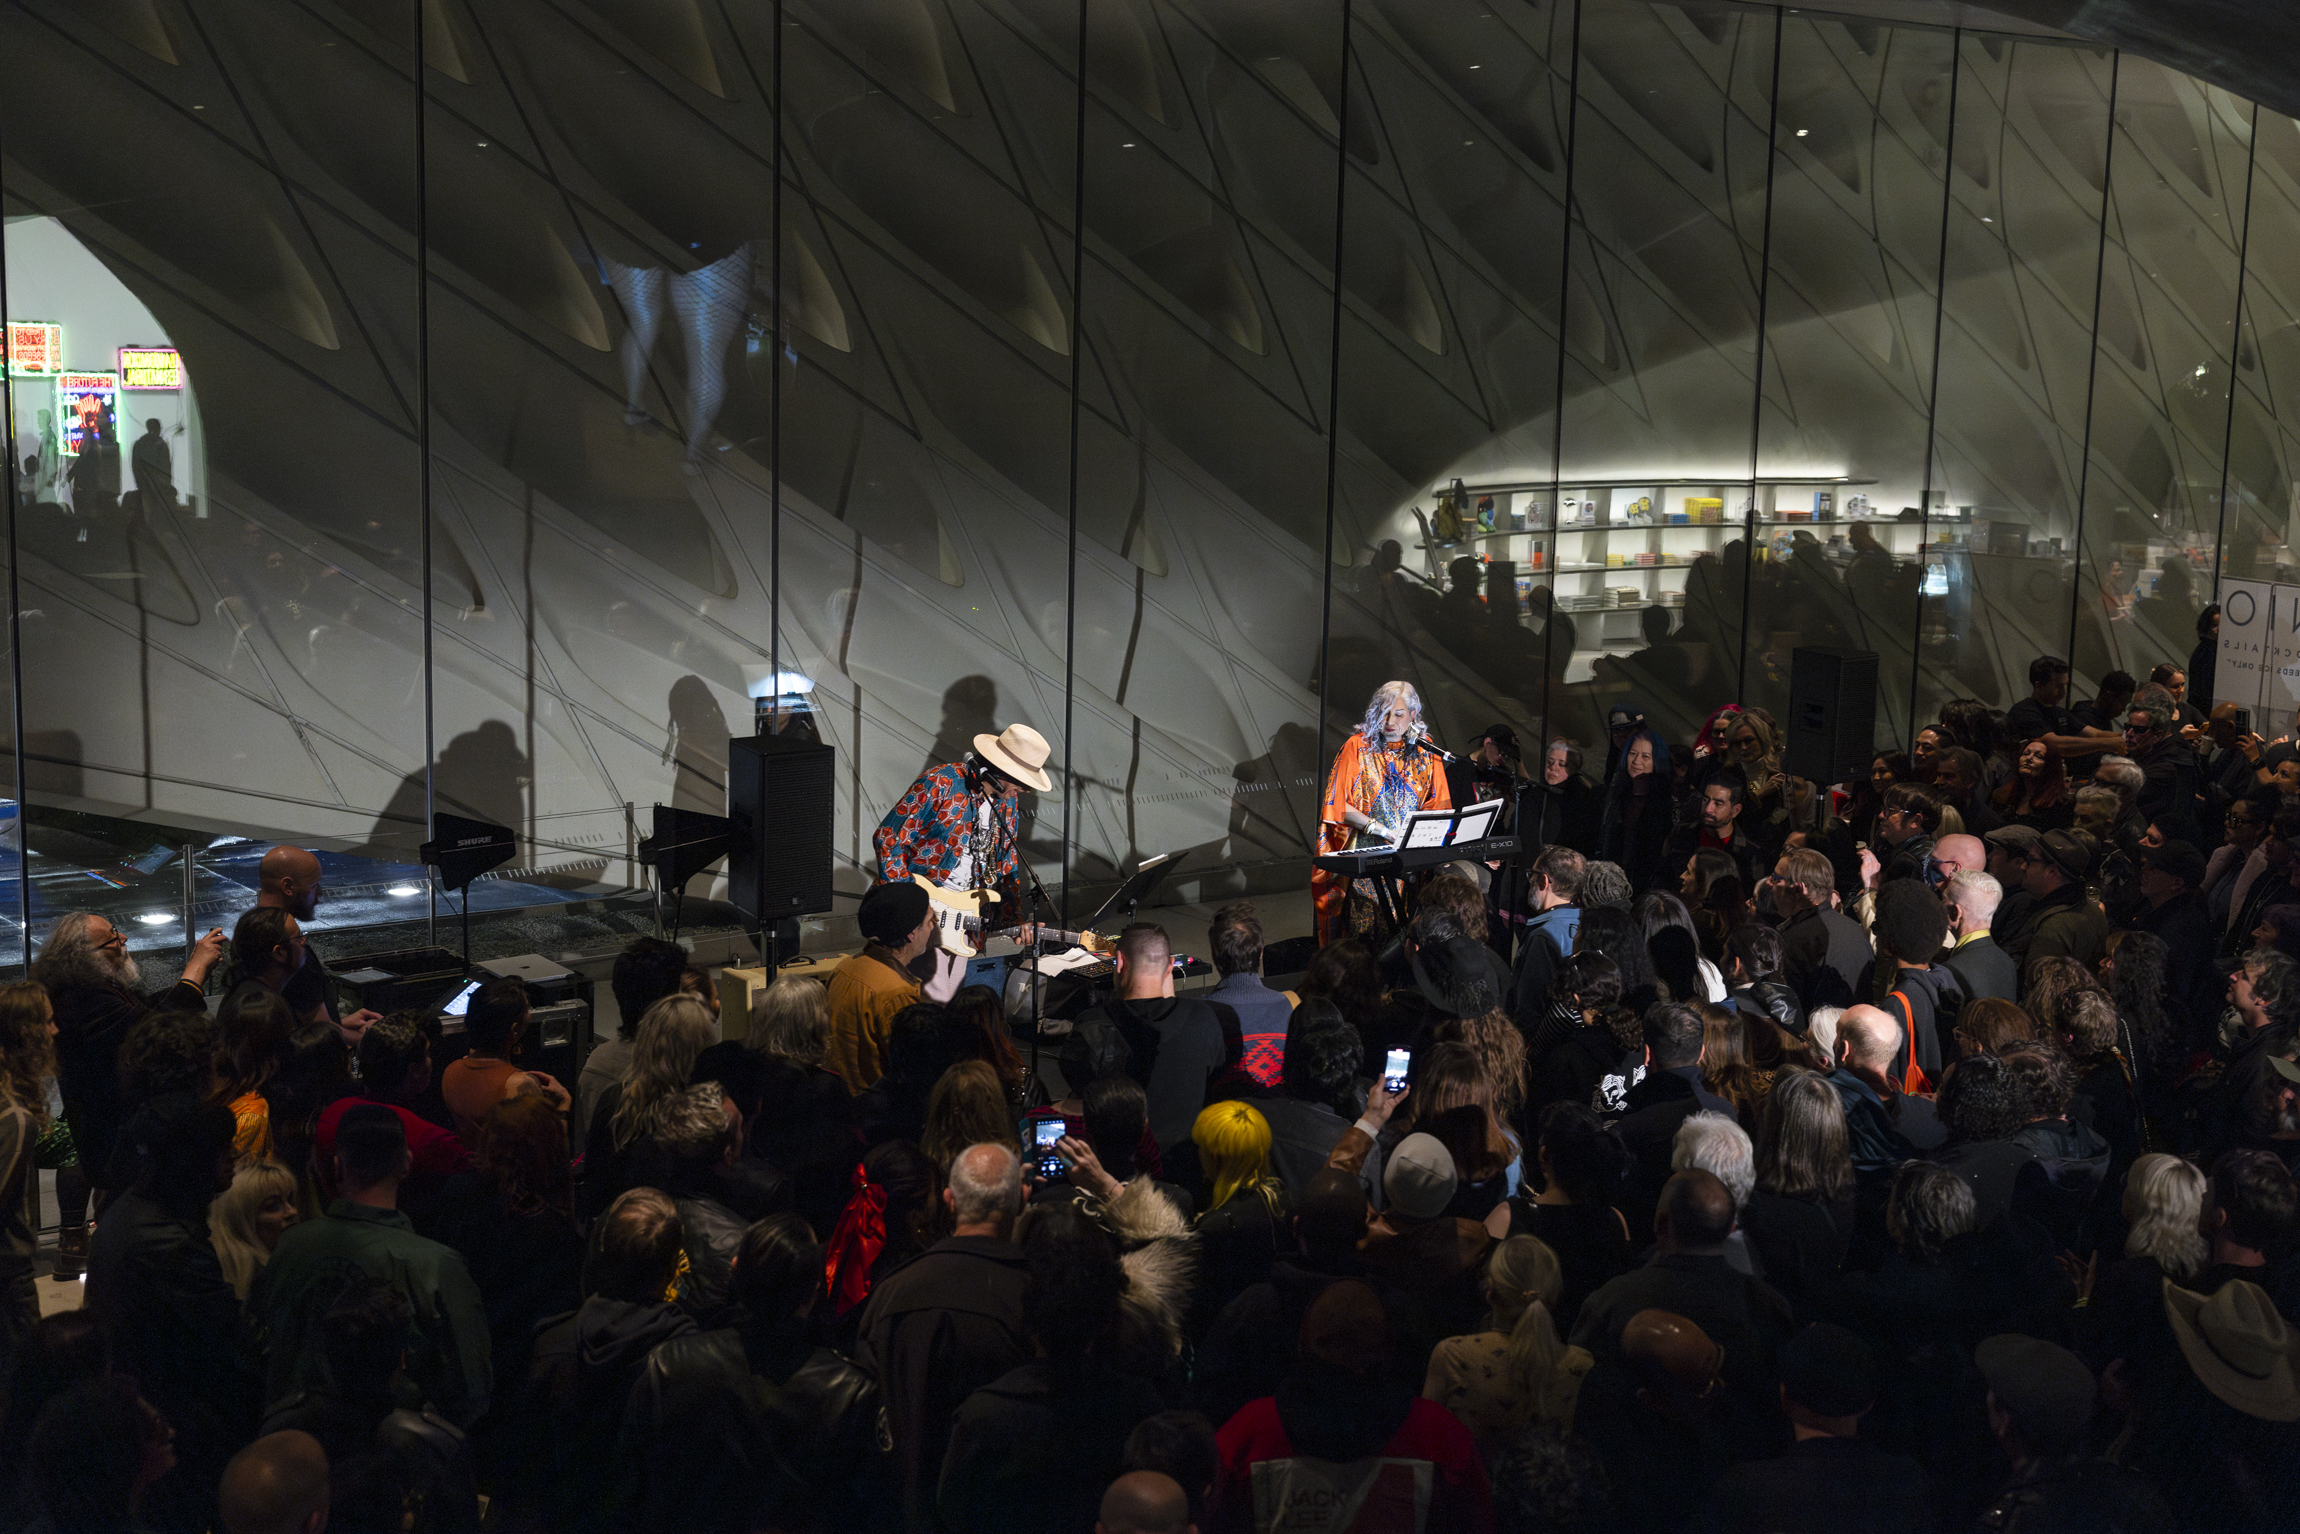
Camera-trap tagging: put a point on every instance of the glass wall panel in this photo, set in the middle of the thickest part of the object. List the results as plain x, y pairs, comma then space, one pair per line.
2024, 237
1661, 329
1861, 156
220, 553
1211, 155
2258, 535
1450, 279
924, 374
2164, 354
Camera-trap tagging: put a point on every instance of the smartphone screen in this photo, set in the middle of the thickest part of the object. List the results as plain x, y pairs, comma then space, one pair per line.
1394, 1069
1044, 1133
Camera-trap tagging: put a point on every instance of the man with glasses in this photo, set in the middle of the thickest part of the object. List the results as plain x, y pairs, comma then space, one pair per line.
91, 980
2236, 862
2167, 763
1906, 825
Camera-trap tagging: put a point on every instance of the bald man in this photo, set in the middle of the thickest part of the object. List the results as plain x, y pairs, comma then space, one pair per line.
1690, 1276
1662, 1418
1958, 851
1145, 1502
276, 1485
290, 880
1884, 1126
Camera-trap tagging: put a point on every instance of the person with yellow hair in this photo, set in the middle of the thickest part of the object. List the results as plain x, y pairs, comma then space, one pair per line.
1247, 1210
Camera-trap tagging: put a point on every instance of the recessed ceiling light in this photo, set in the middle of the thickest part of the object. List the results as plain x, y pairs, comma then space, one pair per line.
1802, 132
162, 918
1126, 146
1986, 219
403, 890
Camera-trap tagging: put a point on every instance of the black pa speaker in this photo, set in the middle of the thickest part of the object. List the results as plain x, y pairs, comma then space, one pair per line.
1832, 714
779, 791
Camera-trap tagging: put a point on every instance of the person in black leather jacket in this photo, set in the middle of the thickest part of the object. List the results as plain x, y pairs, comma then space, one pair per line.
1755, 959
586, 1362
718, 1195
415, 1451
155, 1282
754, 1425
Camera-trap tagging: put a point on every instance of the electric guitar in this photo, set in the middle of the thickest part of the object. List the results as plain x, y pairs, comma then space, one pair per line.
961, 926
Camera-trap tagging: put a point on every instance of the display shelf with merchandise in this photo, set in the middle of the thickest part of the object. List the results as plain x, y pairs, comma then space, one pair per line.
1615, 547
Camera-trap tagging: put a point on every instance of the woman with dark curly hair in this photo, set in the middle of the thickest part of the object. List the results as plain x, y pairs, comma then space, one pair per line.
1579, 1044
2037, 794
1982, 1105
1583, 1166
1615, 935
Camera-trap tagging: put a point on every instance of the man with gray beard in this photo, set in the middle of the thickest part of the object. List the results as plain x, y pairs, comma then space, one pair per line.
90, 979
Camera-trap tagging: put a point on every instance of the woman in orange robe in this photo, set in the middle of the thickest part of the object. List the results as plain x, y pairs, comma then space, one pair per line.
1378, 779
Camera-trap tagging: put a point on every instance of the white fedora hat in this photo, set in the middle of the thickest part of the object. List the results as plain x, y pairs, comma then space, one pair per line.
1020, 752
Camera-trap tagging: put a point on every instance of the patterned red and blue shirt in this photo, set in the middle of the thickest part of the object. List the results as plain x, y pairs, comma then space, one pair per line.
934, 828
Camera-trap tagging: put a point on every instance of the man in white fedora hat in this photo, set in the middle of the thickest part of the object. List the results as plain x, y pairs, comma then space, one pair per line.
957, 825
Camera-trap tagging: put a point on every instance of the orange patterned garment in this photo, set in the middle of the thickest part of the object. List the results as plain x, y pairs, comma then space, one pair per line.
1385, 782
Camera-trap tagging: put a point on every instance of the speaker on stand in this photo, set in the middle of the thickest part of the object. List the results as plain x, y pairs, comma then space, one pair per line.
1832, 725
780, 790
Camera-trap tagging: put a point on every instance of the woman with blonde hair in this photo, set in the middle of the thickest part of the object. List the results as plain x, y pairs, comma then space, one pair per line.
1248, 1209
968, 1106
27, 1062
805, 1127
1516, 1370
2122, 1302
792, 1020
620, 1152
248, 1218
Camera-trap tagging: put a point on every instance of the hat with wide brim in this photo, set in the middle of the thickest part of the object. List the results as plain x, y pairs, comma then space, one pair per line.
1020, 752
2239, 1347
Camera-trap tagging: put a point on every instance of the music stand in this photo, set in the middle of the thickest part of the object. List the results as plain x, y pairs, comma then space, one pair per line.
462, 849
1147, 876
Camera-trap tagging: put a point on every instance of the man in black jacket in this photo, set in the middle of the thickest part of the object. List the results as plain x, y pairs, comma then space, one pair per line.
1178, 1044
1984, 971
2065, 920
1690, 1277
718, 1193
90, 978
1827, 949
1670, 1093
585, 1363
1718, 828
949, 1321
2171, 877
1829, 1478
1922, 997
1906, 826
753, 1424
155, 1283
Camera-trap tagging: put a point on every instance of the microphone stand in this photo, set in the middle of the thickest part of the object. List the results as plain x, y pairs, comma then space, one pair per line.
1039, 898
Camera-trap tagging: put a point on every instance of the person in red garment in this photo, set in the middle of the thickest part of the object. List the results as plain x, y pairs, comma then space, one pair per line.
1380, 776
1345, 1440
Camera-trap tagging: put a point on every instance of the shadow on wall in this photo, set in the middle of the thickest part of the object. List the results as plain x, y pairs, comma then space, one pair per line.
51, 764
695, 747
481, 774
969, 708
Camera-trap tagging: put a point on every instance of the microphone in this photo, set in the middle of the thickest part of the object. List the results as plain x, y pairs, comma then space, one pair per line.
1419, 736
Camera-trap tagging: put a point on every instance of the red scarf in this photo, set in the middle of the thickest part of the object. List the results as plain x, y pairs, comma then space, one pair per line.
855, 1243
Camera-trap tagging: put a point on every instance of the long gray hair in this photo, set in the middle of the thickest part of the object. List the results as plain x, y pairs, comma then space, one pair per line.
71, 957
1386, 697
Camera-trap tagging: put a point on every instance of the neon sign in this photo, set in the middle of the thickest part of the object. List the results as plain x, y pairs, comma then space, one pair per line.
151, 367
90, 403
32, 347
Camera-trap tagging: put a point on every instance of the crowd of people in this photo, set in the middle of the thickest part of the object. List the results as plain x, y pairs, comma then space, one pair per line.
1913, 1154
